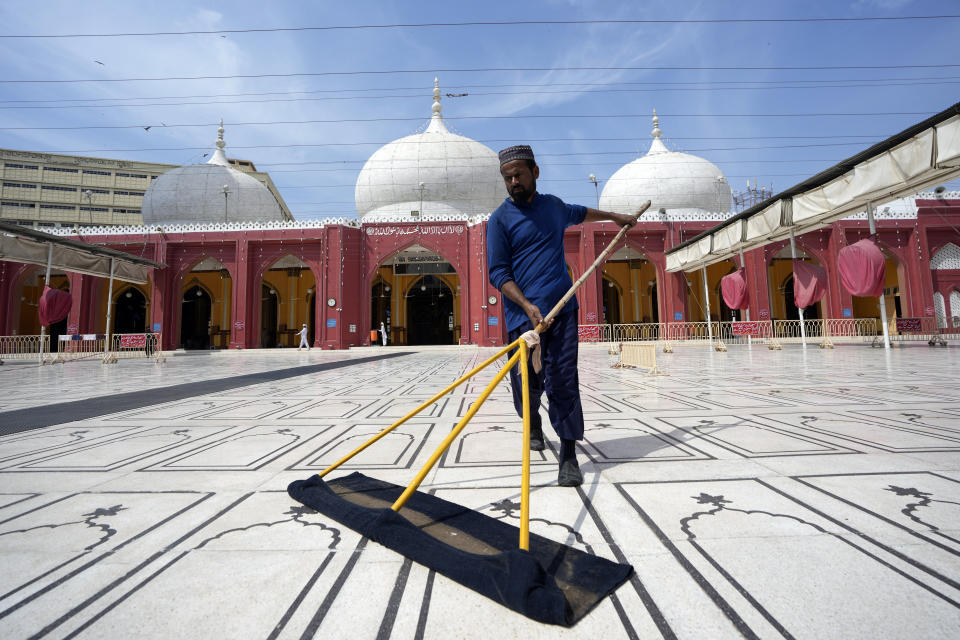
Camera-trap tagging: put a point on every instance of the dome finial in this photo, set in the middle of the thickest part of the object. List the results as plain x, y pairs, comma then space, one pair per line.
219, 157
656, 125
436, 120
436, 98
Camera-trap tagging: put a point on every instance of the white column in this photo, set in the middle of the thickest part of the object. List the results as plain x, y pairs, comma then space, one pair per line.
706, 302
292, 302
113, 262
793, 254
46, 283
747, 310
883, 303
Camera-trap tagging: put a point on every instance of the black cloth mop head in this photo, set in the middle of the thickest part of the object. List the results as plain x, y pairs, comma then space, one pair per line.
552, 583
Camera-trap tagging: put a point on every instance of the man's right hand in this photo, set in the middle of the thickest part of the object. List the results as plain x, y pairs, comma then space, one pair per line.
533, 312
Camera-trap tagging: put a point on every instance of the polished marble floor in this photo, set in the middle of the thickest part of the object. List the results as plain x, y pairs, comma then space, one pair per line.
758, 494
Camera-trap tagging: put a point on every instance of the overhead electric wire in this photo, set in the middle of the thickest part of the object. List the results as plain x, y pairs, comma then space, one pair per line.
487, 23
488, 117
526, 85
485, 93
488, 70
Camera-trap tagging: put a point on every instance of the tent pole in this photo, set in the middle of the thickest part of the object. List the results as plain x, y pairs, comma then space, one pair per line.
793, 255
883, 302
706, 298
109, 306
46, 283
743, 265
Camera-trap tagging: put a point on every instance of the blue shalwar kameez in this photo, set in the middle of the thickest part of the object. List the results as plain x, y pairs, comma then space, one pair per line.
525, 245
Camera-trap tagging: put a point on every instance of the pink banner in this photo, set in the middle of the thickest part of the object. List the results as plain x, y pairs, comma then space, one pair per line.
862, 269
54, 306
588, 334
133, 341
909, 324
734, 290
809, 283
747, 328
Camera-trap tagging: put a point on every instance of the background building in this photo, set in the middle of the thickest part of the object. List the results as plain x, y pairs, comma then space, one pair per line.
47, 190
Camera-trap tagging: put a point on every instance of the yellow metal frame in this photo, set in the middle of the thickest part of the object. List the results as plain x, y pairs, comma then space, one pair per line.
522, 357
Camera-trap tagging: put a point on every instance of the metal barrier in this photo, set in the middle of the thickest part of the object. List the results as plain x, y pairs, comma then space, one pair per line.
746, 332
914, 329
749, 332
122, 345
135, 345
80, 346
642, 355
639, 332
24, 347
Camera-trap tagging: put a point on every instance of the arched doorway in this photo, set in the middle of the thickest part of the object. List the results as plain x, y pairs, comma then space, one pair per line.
195, 318
430, 312
780, 276
211, 276
611, 301
892, 294
696, 305
630, 271
380, 305
293, 284
130, 311
413, 315
269, 306
792, 312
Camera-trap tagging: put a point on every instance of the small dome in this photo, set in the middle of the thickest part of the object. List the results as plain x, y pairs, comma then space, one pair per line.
669, 179
435, 172
194, 194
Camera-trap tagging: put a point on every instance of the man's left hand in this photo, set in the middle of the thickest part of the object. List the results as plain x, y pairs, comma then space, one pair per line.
623, 219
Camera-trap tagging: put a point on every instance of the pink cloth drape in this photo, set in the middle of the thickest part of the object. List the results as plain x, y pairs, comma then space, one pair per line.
734, 290
54, 306
809, 283
862, 269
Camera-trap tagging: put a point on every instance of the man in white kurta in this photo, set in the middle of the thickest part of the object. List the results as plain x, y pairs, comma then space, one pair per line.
303, 339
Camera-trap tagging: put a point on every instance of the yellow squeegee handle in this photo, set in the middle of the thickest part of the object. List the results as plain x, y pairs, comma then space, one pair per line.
411, 489
423, 406
525, 473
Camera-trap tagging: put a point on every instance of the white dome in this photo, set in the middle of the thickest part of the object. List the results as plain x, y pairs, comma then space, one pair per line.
193, 194
669, 179
447, 173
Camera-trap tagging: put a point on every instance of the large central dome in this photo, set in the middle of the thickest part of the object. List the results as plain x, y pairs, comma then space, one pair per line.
432, 173
669, 179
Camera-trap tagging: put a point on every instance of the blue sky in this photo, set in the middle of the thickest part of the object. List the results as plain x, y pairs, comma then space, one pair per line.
734, 117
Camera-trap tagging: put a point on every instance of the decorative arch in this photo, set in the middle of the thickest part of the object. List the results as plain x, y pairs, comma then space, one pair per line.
430, 317
393, 311
131, 310
220, 290
946, 258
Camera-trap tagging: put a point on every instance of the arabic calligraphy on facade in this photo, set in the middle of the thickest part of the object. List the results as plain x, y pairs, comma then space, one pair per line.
414, 230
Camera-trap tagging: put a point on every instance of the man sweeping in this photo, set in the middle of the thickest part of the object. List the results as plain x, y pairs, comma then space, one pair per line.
527, 264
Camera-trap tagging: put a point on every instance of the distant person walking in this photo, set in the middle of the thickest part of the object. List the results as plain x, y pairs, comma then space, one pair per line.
303, 339
383, 334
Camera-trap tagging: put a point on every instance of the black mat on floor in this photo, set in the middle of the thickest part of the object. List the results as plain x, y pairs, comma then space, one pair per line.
551, 583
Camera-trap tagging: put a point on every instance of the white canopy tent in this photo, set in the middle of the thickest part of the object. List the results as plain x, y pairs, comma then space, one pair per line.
19, 244
923, 155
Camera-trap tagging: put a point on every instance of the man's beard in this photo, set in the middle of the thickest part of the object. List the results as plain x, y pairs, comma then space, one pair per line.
520, 192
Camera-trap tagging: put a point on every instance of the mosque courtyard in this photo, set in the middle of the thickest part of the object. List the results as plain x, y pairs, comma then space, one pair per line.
758, 494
